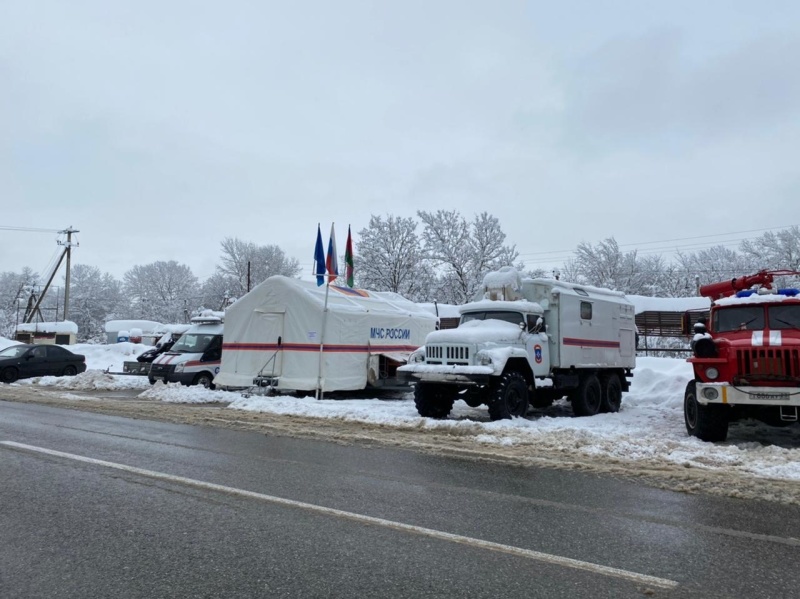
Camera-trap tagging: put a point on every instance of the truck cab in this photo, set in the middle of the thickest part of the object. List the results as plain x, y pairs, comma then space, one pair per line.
747, 361
195, 358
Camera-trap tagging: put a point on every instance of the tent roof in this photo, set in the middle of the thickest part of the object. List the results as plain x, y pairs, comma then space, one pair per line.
340, 299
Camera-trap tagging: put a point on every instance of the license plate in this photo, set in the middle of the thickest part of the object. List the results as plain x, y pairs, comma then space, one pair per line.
770, 396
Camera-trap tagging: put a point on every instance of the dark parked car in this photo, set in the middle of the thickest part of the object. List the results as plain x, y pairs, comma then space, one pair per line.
25, 361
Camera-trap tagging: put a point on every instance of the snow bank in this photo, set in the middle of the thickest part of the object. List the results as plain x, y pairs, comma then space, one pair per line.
649, 427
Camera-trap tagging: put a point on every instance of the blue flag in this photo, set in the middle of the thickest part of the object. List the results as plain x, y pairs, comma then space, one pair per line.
319, 259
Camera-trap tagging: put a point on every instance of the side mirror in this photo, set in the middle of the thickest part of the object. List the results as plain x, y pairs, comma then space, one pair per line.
686, 323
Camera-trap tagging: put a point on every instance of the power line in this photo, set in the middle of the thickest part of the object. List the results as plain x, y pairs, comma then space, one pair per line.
571, 252
29, 229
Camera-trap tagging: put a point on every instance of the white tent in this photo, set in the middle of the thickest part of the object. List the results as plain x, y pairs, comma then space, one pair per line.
276, 330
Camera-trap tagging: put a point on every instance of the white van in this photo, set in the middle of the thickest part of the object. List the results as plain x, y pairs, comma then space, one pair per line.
195, 357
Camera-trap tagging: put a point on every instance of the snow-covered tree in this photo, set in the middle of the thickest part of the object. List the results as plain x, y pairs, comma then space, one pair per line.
15, 289
389, 258
162, 291
230, 280
775, 251
95, 298
717, 263
463, 252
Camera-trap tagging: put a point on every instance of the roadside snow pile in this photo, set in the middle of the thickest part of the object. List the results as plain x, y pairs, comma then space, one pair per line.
649, 426
177, 393
91, 380
108, 357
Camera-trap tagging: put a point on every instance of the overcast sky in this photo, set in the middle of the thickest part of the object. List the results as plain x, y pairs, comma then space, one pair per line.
159, 128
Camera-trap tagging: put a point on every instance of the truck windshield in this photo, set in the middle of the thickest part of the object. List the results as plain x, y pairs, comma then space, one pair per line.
193, 343
784, 316
739, 318
512, 317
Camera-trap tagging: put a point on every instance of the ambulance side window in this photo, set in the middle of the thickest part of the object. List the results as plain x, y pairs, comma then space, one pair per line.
586, 311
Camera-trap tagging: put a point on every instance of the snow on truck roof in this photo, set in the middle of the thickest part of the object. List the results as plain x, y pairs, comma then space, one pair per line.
757, 298
510, 305
576, 288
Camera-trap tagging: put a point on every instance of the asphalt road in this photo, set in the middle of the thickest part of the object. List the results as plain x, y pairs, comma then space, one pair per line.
135, 508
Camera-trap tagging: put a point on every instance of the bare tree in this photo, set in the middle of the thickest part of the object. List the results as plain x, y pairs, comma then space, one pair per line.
163, 291
464, 252
15, 289
776, 251
230, 280
96, 298
389, 258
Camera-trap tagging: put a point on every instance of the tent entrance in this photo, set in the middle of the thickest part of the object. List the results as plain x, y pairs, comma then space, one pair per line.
382, 369
267, 327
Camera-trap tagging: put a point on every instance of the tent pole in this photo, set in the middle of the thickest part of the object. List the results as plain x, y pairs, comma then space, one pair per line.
322, 341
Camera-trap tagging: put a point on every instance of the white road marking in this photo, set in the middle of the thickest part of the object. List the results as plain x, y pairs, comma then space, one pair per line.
409, 528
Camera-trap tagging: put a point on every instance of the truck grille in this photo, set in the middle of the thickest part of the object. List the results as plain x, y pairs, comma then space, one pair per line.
778, 364
447, 354
161, 369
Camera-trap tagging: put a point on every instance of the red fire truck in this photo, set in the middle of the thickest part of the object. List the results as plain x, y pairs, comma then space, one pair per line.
746, 357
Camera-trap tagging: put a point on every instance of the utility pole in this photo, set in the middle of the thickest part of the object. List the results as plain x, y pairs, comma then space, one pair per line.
68, 243
248, 276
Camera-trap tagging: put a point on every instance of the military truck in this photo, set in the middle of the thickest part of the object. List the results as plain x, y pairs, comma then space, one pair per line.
529, 342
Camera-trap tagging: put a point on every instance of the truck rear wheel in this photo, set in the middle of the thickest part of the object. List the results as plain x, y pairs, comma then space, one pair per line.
707, 423
509, 397
588, 397
434, 400
612, 393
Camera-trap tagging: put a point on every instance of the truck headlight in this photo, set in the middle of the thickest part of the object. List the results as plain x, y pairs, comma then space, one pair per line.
712, 373
179, 367
484, 359
417, 357
710, 393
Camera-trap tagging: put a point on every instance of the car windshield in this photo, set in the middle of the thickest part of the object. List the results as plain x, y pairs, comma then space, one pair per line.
784, 316
15, 351
193, 343
739, 318
507, 316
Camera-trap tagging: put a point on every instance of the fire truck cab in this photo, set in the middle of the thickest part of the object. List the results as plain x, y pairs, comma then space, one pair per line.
746, 358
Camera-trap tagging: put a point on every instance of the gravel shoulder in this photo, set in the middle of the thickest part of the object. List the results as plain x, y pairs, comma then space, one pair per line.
461, 444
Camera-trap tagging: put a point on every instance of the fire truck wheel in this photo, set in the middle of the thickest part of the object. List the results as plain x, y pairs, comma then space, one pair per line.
9, 375
509, 397
707, 423
434, 400
588, 397
204, 379
152, 380
612, 393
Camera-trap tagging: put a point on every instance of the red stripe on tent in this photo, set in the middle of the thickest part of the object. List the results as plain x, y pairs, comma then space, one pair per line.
314, 347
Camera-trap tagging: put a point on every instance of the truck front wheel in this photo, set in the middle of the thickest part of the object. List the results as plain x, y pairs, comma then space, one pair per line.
707, 423
434, 400
509, 397
588, 397
204, 379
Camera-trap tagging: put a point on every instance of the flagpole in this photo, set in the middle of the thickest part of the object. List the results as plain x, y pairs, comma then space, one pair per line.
330, 270
320, 392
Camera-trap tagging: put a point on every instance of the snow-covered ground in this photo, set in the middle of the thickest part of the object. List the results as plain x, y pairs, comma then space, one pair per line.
648, 427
